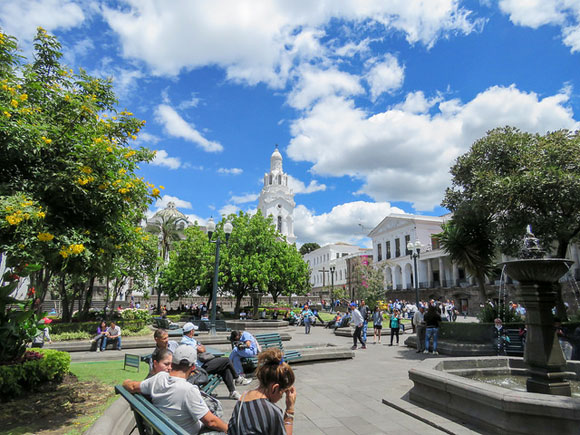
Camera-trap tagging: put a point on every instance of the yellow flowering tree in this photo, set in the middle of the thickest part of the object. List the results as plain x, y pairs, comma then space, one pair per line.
66, 148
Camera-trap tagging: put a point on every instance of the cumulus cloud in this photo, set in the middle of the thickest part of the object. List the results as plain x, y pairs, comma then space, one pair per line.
405, 155
385, 75
242, 199
230, 171
315, 83
536, 13
349, 222
263, 41
176, 126
163, 159
298, 187
50, 14
229, 209
166, 199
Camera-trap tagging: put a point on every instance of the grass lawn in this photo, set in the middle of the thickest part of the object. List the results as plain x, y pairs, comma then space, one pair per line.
72, 406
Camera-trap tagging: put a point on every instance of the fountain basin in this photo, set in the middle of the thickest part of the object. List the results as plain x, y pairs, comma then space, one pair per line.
441, 384
534, 270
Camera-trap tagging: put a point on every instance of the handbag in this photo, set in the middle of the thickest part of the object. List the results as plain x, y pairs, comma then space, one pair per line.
204, 357
199, 377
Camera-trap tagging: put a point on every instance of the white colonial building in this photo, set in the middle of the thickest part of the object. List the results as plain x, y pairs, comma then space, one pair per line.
320, 262
277, 199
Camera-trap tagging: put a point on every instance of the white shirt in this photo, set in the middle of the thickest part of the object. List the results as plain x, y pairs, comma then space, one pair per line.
357, 318
114, 331
418, 318
178, 399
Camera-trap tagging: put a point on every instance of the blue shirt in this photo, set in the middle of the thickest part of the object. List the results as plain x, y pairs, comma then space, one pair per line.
246, 336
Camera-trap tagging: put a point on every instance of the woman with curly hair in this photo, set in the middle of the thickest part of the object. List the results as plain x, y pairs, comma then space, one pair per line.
255, 412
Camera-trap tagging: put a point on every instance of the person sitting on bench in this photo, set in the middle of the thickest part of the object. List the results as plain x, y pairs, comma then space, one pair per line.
244, 345
113, 335
334, 322
175, 397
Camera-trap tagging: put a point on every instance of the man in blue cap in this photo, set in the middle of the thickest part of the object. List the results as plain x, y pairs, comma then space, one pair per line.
358, 321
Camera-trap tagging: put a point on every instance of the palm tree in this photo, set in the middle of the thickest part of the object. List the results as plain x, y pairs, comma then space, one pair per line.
467, 239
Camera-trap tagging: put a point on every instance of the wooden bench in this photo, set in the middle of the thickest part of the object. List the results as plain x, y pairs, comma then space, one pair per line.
273, 340
148, 418
515, 347
132, 361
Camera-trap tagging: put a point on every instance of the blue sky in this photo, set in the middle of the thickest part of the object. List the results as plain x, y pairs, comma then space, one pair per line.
369, 101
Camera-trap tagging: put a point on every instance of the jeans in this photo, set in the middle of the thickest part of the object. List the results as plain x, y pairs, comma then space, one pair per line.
116, 342
394, 332
364, 330
307, 325
431, 332
237, 355
357, 336
420, 337
223, 367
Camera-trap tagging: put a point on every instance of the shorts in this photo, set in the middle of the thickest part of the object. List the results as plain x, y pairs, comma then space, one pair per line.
378, 327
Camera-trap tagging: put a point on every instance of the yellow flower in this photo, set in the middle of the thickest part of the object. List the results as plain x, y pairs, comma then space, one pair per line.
7, 114
41, 215
122, 171
133, 137
138, 229
13, 219
46, 140
45, 237
109, 149
155, 192
67, 98
102, 186
63, 252
130, 154
14, 103
76, 249
123, 190
162, 187
86, 170
82, 181
23, 97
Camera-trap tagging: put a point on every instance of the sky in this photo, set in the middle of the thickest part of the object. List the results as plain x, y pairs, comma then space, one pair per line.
369, 101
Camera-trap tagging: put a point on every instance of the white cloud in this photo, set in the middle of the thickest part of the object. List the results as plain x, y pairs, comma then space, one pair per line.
263, 41
194, 218
405, 155
230, 171
176, 126
298, 187
166, 199
536, 13
242, 199
148, 138
349, 222
350, 49
163, 159
229, 209
21, 18
315, 83
385, 76
193, 101
415, 102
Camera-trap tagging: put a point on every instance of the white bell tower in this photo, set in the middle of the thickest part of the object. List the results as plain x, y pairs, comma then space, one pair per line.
277, 199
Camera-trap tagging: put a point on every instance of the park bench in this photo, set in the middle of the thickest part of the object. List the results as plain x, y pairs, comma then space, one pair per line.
205, 325
159, 322
273, 340
132, 361
515, 346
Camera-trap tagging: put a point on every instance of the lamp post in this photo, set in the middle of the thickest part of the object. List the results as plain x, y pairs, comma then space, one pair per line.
228, 227
332, 270
415, 250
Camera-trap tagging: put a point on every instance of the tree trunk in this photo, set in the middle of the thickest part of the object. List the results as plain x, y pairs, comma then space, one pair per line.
481, 288
89, 297
560, 307
66, 314
107, 294
238, 305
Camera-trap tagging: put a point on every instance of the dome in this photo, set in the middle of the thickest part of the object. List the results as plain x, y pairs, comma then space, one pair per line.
169, 212
276, 160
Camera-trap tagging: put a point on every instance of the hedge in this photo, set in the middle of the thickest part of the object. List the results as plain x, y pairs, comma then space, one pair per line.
91, 327
16, 379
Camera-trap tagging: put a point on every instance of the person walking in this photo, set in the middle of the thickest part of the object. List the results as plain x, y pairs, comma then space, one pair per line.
365, 313
307, 316
377, 324
419, 322
395, 323
357, 321
432, 321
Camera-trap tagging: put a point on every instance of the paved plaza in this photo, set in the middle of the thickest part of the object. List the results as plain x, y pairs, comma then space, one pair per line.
347, 396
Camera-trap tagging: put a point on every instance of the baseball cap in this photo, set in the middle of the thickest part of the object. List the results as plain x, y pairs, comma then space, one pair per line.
189, 327
46, 321
185, 354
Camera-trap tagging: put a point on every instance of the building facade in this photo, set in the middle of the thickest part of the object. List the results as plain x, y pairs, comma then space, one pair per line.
276, 199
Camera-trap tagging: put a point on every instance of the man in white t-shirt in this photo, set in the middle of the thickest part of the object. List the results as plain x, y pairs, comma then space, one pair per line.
112, 335
177, 398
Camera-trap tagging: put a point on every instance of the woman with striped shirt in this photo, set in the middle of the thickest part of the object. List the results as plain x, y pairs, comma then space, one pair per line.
255, 412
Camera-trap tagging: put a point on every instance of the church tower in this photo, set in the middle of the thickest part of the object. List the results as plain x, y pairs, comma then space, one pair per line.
276, 198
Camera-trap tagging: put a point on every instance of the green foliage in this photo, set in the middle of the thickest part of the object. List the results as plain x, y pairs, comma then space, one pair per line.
308, 247
18, 378
73, 335
369, 284
135, 314
488, 314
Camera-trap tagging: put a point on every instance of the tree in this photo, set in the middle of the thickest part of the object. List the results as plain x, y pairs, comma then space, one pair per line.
517, 179
67, 166
288, 273
308, 247
369, 285
468, 240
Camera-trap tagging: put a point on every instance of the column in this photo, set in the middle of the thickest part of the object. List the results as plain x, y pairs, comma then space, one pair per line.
429, 274
455, 272
441, 271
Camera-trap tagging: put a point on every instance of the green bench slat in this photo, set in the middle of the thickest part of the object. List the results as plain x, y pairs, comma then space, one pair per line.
147, 415
268, 341
132, 361
214, 381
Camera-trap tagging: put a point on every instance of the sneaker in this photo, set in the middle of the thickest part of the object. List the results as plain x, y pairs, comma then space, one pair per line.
98, 350
240, 380
353, 348
235, 395
435, 352
425, 351
363, 346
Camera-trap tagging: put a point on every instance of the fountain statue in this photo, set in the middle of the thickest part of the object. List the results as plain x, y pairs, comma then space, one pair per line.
538, 277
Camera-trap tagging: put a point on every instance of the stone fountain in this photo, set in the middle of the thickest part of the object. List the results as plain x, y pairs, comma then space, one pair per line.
538, 279
546, 407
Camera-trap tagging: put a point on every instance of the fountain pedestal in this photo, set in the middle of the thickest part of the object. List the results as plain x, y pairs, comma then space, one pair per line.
543, 354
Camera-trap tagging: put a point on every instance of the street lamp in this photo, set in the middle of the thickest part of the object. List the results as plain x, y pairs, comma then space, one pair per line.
228, 227
332, 270
415, 252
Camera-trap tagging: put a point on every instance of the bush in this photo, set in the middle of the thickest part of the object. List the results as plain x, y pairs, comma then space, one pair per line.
27, 376
488, 314
135, 314
66, 336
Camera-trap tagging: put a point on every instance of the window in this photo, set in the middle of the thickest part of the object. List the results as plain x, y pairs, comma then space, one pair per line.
397, 248
279, 224
337, 255
379, 252
270, 179
388, 250
344, 254
407, 240
435, 243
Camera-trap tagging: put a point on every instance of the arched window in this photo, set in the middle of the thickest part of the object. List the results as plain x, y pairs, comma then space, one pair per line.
279, 179
270, 179
279, 224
